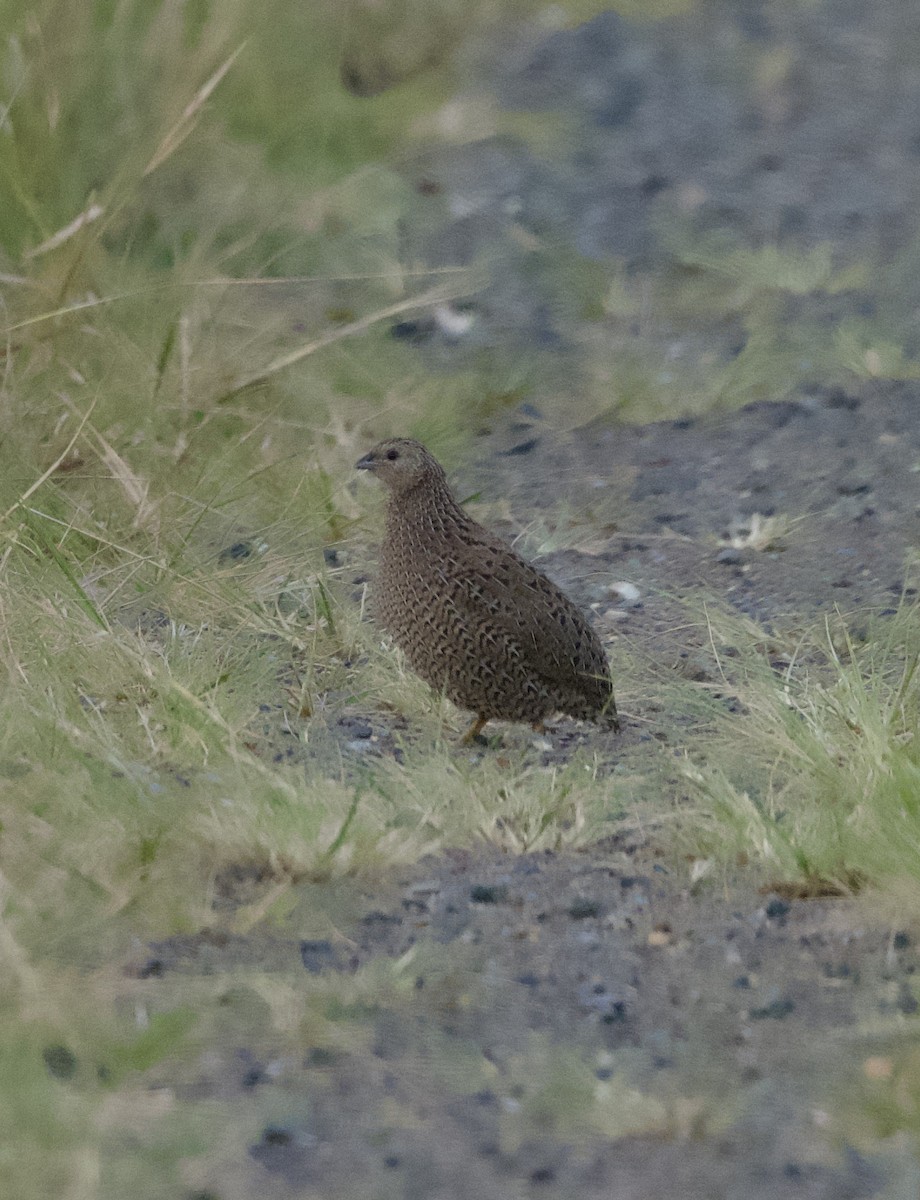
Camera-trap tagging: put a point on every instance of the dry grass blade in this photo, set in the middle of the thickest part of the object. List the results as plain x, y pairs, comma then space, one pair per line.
236, 752
85, 601
92, 213
186, 122
65, 310
436, 295
62, 457
134, 487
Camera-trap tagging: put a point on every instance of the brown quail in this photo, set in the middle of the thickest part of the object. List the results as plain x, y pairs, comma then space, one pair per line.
473, 619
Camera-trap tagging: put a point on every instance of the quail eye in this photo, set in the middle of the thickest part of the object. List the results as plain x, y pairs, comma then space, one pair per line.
392, 455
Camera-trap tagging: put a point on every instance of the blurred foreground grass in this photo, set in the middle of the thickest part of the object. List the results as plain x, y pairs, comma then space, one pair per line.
197, 239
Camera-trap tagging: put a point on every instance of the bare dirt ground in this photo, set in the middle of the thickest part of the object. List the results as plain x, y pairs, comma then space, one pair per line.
588, 1024
732, 1018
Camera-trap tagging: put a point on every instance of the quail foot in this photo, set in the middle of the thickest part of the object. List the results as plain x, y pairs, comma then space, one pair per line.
473, 619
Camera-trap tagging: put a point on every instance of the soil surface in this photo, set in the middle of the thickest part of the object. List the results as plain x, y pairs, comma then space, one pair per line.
576, 1025
589, 1024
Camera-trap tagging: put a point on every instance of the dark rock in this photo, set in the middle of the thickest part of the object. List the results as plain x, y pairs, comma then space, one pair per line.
153, 968
777, 910
356, 728
521, 448
60, 1061
237, 552
484, 893
317, 956
777, 1010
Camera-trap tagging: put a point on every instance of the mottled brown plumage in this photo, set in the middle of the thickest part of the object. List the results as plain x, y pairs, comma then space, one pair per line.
473, 619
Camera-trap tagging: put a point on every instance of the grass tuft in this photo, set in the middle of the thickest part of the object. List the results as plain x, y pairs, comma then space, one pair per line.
814, 770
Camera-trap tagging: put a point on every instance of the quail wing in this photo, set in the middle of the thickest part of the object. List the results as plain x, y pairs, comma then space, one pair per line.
554, 640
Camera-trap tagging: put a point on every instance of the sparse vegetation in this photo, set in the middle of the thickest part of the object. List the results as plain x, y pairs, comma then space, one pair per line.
813, 774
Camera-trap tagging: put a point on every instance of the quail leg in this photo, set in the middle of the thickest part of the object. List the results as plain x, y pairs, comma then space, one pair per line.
474, 731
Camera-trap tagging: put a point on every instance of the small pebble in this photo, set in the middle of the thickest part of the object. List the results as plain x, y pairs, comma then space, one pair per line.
317, 956
451, 321
629, 595
356, 727
484, 893
775, 1011
237, 552
521, 448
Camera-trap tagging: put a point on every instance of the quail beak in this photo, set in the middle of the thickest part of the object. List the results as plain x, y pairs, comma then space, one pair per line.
367, 463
